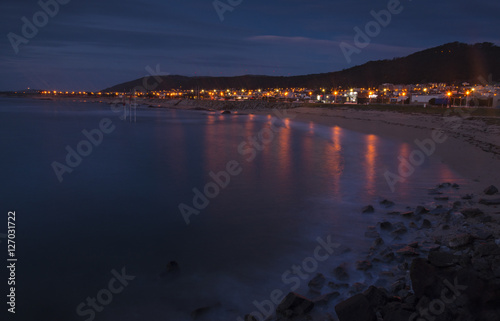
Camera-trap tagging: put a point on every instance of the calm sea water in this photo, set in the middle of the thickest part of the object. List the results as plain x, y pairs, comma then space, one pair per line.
118, 209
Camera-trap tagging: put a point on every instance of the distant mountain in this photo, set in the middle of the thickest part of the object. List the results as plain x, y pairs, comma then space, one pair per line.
450, 63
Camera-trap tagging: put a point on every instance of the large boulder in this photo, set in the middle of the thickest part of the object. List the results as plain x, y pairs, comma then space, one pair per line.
356, 308
490, 190
423, 277
294, 305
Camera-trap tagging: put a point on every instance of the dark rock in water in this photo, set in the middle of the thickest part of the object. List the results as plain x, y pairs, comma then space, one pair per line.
460, 240
434, 192
377, 242
397, 311
467, 197
326, 298
385, 226
441, 198
202, 311
397, 286
443, 185
471, 212
294, 305
356, 308
421, 210
172, 266
375, 296
423, 276
387, 203
407, 214
439, 211
368, 209
455, 185
394, 213
457, 204
490, 202
487, 249
372, 232
357, 287
317, 282
250, 317
338, 286
171, 269
363, 265
225, 112
408, 251
399, 231
413, 245
442, 259
445, 227
426, 223
340, 272
490, 190
413, 225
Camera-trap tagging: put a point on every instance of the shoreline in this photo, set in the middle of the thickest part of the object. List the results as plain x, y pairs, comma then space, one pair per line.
452, 240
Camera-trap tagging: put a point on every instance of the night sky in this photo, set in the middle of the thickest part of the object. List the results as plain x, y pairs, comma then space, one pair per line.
91, 45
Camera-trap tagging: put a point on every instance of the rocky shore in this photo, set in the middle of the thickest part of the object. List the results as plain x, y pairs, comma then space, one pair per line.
449, 271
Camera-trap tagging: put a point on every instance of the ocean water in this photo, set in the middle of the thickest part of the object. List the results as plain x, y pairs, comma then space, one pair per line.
118, 208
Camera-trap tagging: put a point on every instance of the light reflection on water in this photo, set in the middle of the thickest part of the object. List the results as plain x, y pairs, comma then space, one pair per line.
120, 206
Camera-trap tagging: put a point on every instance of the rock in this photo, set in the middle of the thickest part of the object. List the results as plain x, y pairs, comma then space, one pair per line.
385, 226
326, 298
202, 311
377, 242
434, 191
414, 245
387, 203
372, 232
460, 240
490, 201
394, 213
442, 259
375, 296
363, 265
295, 305
471, 212
225, 112
455, 185
368, 209
397, 286
317, 282
172, 266
407, 250
338, 286
441, 198
487, 249
357, 287
490, 190
421, 210
340, 272
397, 311
423, 276
413, 225
250, 317
426, 223
443, 185
356, 308
407, 214
467, 197
399, 231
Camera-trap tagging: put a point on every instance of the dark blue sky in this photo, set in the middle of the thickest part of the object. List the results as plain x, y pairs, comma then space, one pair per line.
93, 44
